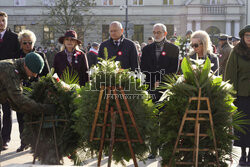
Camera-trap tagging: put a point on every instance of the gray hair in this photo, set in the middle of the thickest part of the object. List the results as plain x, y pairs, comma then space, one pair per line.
27, 33
117, 23
163, 27
205, 40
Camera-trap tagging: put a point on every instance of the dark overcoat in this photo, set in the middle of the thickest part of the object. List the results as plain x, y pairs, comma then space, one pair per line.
126, 53
9, 46
79, 65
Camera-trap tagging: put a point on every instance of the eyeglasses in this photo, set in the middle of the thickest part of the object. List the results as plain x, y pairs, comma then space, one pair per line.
158, 32
25, 43
195, 45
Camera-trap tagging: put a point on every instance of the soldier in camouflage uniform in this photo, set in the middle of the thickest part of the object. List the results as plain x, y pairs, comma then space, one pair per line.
12, 74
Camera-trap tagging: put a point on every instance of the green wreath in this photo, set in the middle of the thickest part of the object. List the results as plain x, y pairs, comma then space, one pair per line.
108, 73
174, 103
47, 90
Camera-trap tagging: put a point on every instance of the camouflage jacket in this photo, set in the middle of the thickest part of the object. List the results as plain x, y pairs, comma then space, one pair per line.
12, 73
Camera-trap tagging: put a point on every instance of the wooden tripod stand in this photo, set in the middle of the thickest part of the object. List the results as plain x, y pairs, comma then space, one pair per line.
196, 133
113, 123
41, 123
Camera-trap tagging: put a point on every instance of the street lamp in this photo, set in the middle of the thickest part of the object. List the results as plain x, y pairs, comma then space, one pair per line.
126, 17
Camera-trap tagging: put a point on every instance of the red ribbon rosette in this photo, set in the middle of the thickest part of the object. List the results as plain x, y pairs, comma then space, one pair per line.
77, 54
119, 53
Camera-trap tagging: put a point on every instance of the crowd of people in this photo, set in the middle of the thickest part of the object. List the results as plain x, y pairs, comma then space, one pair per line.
157, 57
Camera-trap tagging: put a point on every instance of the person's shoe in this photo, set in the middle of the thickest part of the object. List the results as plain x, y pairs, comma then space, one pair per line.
22, 148
243, 161
3, 148
5, 144
248, 160
151, 156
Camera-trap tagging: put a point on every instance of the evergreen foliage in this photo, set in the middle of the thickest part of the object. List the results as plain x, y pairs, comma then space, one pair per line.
108, 73
178, 90
48, 91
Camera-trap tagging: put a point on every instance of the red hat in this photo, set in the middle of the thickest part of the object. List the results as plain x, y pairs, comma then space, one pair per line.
69, 33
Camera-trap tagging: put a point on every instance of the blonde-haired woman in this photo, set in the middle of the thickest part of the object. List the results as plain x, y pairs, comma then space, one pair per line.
202, 48
71, 57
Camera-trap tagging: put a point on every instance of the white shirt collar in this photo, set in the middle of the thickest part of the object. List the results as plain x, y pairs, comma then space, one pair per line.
2, 33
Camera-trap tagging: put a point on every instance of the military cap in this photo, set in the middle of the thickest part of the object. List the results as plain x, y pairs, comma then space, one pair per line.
235, 39
223, 37
95, 44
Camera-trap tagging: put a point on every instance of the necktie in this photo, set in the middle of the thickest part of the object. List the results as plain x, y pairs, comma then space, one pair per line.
116, 43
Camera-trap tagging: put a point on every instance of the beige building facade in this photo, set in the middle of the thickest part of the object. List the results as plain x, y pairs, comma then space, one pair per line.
214, 16
248, 11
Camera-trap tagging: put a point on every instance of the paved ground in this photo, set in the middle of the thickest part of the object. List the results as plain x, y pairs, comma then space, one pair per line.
10, 158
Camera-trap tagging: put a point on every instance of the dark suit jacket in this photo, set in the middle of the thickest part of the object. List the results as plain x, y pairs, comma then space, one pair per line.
214, 60
127, 49
9, 47
168, 62
92, 58
79, 66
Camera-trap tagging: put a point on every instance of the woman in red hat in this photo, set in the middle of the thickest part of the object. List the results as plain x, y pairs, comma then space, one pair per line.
72, 57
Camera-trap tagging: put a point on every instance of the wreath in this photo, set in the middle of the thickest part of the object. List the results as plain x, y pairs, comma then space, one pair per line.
184, 46
175, 100
109, 73
50, 91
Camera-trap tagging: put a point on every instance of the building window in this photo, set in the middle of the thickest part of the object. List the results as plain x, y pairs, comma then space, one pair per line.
19, 28
49, 2
48, 34
213, 32
105, 32
137, 2
168, 2
170, 30
214, 2
19, 2
138, 33
107, 2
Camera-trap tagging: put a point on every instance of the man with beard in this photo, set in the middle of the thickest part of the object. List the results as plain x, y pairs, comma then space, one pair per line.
158, 59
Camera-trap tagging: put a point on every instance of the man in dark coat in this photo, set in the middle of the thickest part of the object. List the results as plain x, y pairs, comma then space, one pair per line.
121, 47
159, 58
9, 47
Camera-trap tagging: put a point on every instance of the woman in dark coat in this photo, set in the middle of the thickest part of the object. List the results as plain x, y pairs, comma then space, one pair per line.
202, 48
71, 57
238, 74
